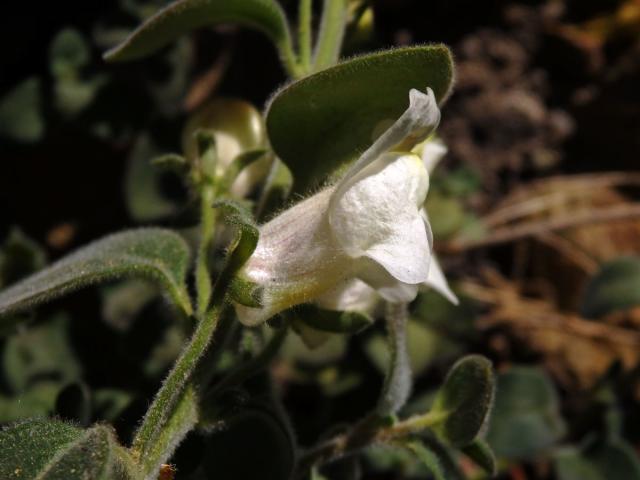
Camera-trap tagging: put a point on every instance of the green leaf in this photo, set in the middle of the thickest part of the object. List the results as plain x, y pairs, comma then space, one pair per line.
38, 401
428, 458
142, 184
183, 16
616, 459
19, 256
482, 455
74, 404
464, 400
40, 352
255, 444
615, 287
318, 124
609, 460
153, 253
526, 418
53, 450
20, 112
331, 320
247, 235
68, 53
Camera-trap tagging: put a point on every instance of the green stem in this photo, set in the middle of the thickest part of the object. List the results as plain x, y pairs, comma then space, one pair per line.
207, 228
163, 406
304, 33
179, 424
331, 34
367, 432
397, 385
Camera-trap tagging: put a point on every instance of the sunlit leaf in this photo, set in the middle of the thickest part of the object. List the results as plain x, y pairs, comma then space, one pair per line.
320, 122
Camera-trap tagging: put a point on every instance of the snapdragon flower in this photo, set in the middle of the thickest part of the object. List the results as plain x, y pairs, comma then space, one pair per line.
369, 226
356, 295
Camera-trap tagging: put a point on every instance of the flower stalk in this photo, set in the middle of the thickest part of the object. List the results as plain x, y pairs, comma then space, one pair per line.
397, 384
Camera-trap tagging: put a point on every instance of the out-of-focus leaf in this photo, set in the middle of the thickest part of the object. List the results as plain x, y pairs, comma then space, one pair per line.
74, 404
143, 192
526, 418
41, 352
446, 214
20, 114
294, 349
255, 444
612, 459
38, 401
109, 404
615, 287
53, 450
428, 458
122, 302
318, 124
482, 455
464, 400
153, 253
183, 16
68, 53
569, 464
616, 459
165, 351
19, 256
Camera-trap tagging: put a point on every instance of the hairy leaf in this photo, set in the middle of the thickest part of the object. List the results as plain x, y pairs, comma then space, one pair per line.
183, 16
319, 123
465, 400
53, 450
153, 253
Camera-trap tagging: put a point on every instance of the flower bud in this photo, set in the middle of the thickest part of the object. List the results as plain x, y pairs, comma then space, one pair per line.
237, 127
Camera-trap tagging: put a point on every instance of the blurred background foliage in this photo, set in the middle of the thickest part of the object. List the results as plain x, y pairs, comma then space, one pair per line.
534, 212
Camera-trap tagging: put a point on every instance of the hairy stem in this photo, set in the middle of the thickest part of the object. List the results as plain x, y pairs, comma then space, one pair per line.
164, 403
304, 33
397, 385
369, 431
207, 228
179, 424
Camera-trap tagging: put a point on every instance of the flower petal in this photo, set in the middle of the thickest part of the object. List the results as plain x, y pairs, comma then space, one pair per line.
433, 150
415, 124
438, 282
350, 295
376, 215
387, 286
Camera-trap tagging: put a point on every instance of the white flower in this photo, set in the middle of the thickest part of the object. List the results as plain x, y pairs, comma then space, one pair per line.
368, 226
356, 295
